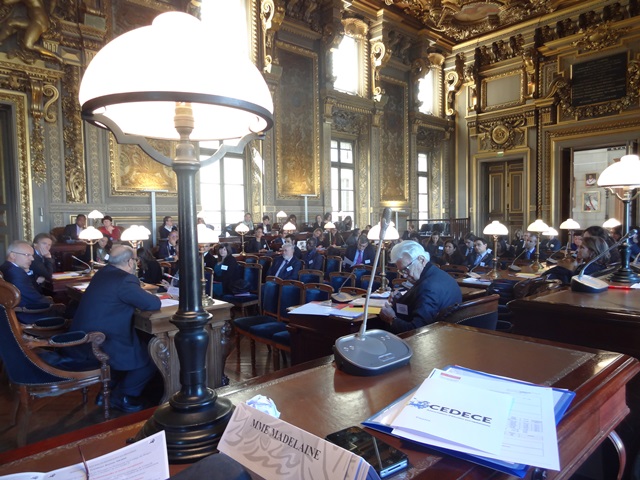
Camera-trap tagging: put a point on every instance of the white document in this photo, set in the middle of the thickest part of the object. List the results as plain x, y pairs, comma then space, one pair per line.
373, 302
144, 460
273, 448
81, 286
324, 309
65, 275
168, 302
445, 411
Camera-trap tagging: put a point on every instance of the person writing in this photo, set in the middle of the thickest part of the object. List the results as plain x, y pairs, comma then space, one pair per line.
107, 306
432, 290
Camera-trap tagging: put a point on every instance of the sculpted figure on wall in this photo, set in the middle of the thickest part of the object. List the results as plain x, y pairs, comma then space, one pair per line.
33, 26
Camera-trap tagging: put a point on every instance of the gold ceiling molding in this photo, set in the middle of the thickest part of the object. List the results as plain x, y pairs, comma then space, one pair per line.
599, 37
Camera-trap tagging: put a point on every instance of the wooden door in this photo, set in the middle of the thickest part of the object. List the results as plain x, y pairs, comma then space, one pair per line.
504, 193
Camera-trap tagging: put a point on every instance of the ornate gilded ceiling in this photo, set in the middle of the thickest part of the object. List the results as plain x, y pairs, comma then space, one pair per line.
459, 20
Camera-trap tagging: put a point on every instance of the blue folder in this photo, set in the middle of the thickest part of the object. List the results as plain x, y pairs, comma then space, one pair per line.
562, 401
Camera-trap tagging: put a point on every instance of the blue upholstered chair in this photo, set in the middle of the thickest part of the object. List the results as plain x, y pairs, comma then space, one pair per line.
252, 276
269, 294
309, 275
358, 271
275, 334
265, 261
332, 264
364, 282
36, 368
317, 292
341, 279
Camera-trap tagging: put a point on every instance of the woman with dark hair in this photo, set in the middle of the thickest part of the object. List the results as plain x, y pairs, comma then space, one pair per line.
109, 230
149, 269
225, 271
451, 255
597, 231
589, 249
167, 227
318, 223
347, 224
434, 246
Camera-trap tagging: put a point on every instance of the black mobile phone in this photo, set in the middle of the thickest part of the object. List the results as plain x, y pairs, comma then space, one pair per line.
380, 455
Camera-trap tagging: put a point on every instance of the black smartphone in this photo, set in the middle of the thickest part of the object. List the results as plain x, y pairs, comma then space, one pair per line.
380, 455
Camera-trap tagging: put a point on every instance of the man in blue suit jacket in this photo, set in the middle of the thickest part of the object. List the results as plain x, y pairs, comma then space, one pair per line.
17, 270
312, 258
360, 254
286, 266
107, 306
432, 290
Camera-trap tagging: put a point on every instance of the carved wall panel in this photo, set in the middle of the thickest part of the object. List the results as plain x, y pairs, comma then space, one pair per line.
394, 143
133, 171
18, 101
297, 123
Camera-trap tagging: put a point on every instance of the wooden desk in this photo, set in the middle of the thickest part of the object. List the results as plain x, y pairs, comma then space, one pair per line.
320, 399
62, 253
162, 346
313, 336
58, 287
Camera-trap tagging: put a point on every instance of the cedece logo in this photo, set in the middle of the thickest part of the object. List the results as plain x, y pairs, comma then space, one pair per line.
475, 417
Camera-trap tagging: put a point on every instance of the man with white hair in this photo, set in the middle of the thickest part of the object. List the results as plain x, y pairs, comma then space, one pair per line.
432, 290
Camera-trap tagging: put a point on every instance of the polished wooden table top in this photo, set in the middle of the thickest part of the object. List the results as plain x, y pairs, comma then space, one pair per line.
318, 398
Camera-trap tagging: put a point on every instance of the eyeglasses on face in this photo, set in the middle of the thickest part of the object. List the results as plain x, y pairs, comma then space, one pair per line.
23, 254
405, 270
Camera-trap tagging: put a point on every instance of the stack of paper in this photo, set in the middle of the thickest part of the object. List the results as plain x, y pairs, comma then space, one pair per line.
499, 422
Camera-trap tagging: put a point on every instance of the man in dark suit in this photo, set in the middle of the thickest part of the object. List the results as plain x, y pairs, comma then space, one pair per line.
312, 258
17, 271
71, 231
432, 290
483, 256
108, 305
43, 263
286, 266
360, 254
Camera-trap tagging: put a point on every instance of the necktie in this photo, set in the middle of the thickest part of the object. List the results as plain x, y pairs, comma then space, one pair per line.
282, 268
358, 259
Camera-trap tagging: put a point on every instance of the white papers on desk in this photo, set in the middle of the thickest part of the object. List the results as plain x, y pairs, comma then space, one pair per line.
64, 275
373, 302
476, 281
168, 302
527, 275
325, 309
81, 286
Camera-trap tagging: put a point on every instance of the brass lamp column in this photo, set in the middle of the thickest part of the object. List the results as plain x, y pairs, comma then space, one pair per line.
538, 227
242, 229
90, 235
142, 85
623, 179
495, 229
571, 225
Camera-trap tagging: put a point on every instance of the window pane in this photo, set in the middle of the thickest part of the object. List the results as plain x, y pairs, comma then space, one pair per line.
422, 184
335, 200
347, 201
346, 154
345, 65
422, 162
426, 93
346, 180
233, 216
210, 197
210, 173
234, 171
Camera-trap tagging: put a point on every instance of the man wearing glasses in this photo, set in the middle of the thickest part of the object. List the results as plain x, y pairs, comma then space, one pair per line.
107, 306
17, 270
432, 290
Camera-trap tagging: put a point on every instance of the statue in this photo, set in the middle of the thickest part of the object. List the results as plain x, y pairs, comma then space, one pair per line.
36, 23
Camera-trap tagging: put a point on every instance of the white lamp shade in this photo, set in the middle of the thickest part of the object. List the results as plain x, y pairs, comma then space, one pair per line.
570, 224
552, 232
390, 234
90, 233
622, 174
281, 214
135, 233
289, 227
95, 214
138, 77
242, 228
538, 226
611, 223
329, 225
495, 228
206, 235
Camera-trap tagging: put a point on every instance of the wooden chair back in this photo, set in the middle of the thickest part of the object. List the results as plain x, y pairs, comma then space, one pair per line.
481, 312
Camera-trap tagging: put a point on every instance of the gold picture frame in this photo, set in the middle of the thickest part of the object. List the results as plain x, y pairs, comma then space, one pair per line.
133, 172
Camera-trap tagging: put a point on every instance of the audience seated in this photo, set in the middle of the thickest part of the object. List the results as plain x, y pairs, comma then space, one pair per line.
107, 306
434, 246
226, 270
312, 258
596, 231
352, 239
483, 256
258, 244
71, 231
43, 263
166, 228
361, 254
291, 240
101, 250
169, 250
149, 269
432, 290
17, 270
451, 255
589, 248
286, 266
109, 229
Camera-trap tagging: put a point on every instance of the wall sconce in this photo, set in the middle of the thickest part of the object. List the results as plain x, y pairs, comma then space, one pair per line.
495, 229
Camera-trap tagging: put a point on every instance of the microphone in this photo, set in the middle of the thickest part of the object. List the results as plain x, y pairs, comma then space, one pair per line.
589, 284
375, 351
513, 267
82, 262
341, 297
552, 260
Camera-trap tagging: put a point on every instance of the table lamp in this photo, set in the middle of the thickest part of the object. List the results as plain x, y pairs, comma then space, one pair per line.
242, 229
279, 215
611, 223
91, 235
622, 178
206, 237
537, 227
496, 229
289, 228
135, 235
95, 215
571, 225
328, 226
390, 234
143, 85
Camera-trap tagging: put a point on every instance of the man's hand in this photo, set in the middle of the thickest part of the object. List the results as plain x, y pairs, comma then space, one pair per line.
387, 314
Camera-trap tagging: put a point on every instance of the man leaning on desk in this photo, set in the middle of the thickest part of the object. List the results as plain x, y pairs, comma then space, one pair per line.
432, 290
107, 306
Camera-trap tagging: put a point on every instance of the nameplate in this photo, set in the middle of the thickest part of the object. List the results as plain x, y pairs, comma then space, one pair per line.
273, 448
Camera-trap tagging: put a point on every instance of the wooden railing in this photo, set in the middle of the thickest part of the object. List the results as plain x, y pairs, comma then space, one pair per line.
448, 227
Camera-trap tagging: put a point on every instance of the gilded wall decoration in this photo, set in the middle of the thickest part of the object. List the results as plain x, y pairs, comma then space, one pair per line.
74, 165
133, 171
305, 11
19, 104
297, 124
394, 144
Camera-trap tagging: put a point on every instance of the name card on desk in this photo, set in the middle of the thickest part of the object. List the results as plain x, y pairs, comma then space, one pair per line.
273, 448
